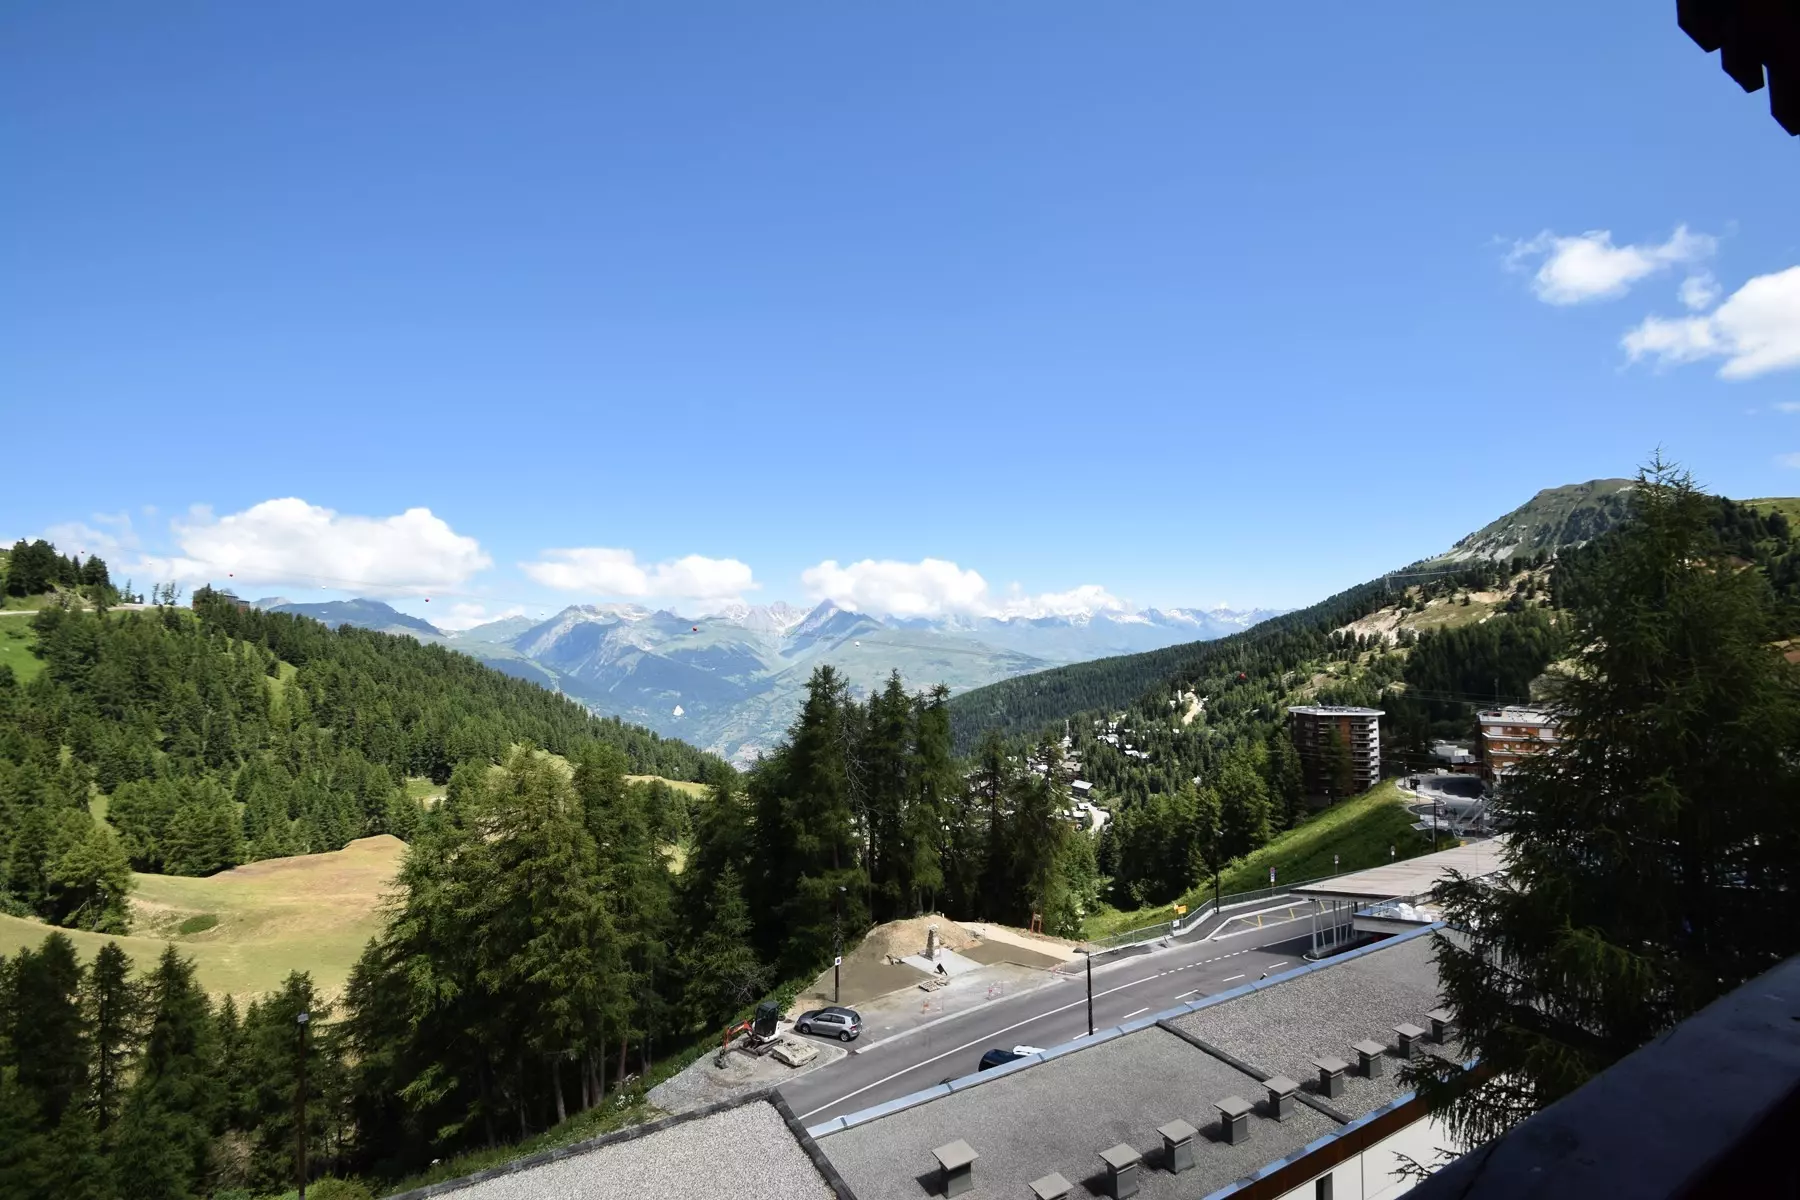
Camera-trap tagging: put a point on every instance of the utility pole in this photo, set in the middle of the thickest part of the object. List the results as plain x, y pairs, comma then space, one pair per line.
300, 1107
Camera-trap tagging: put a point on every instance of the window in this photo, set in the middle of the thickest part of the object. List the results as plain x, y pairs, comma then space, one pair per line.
1322, 1188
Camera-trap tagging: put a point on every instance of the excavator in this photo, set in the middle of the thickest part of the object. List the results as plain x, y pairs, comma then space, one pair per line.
763, 1030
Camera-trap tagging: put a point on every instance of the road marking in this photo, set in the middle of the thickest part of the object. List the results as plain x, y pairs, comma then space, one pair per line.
1189, 992
1139, 1012
1229, 978
978, 1041
1282, 963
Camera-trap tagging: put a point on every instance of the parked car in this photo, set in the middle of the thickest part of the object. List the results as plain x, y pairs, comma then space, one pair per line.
997, 1057
844, 1024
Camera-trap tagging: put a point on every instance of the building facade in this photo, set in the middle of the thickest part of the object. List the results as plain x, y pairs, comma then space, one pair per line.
1512, 734
1323, 733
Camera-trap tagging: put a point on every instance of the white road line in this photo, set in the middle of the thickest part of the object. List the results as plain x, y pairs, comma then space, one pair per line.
1139, 1012
1189, 992
1229, 978
978, 1041
1282, 963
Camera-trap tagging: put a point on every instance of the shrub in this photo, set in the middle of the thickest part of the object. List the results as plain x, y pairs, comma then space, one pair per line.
336, 1189
198, 924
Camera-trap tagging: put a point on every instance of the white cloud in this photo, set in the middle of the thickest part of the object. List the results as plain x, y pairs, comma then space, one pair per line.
113, 538
602, 571
1088, 598
1756, 330
468, 615
1588, 266
291, 542
1699, 291
1786, 406
1789, 460
935, 587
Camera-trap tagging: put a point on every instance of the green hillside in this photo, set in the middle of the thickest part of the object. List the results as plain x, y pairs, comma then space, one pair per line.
1358, 832
221, 736
1554, 518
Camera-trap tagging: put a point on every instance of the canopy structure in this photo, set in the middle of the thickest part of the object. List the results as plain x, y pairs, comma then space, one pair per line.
1757, 40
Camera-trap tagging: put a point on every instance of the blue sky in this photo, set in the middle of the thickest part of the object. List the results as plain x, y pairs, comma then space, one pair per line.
1173, 301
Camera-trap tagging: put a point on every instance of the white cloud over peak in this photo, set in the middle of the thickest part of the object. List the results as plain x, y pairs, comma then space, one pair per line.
936, 587
603, 571
1789, 460
467, 615
288, 541
1756, 330
113, 537
1587, 266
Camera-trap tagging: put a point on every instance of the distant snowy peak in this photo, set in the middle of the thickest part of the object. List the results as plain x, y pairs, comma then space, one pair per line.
778, 617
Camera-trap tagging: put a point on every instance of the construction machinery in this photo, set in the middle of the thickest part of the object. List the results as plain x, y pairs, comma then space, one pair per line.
761, 1032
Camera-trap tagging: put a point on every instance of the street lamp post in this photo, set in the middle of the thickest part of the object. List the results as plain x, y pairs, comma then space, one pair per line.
1090, 990
300, 1106
837, 960
1216, 896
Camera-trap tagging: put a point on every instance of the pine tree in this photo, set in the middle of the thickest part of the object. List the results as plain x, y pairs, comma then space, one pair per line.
166, 1127
1653, 861
113, 1005
722, 971
46, 1035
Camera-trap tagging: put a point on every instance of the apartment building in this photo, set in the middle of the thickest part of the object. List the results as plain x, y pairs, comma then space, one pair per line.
1512, 734
1316, 728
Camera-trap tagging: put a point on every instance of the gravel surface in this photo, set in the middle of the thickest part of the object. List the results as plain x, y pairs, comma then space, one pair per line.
743, 1153
1324, 1014
702, 1083
1059, 1115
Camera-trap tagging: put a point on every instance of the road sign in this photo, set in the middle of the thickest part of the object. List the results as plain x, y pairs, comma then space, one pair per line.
1181, 910
838, 961
1271, 875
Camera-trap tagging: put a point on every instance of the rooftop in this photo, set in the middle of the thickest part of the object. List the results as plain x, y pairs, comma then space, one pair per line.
1335, 710
744, 1149
1059, 1110
1518, 715
1325, 1014
1059, 1116
1410, 876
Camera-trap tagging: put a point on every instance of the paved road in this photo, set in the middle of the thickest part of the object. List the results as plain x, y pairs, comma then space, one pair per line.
1124, 988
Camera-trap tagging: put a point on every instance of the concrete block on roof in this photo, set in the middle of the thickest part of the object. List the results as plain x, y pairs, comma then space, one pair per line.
1409, 1036
1281, 1097
1051, 1187
1234, 1119
1331, 1075
1370, 1053
1121, 1170
956, 1161
1178, 1146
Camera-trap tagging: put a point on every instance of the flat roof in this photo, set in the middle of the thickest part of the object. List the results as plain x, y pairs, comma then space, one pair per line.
1325, 1014
1060, 1110
744, 1149
1336, 710
1061, 1114
1410, 876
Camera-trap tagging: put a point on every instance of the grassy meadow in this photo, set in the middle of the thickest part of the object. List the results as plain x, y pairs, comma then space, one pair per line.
314, 912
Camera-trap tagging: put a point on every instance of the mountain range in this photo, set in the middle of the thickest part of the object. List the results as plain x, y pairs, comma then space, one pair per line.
731, 681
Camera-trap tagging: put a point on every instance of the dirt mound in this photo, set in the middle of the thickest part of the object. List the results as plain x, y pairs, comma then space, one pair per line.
900, 938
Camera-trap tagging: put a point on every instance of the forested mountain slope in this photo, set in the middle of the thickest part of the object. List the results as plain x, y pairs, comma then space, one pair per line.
1552, 522
223, 735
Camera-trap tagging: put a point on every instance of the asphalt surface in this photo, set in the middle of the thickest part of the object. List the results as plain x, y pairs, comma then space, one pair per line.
1125, 986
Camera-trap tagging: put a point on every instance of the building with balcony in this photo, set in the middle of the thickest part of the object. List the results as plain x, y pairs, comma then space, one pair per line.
1512, 734
1319, 730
